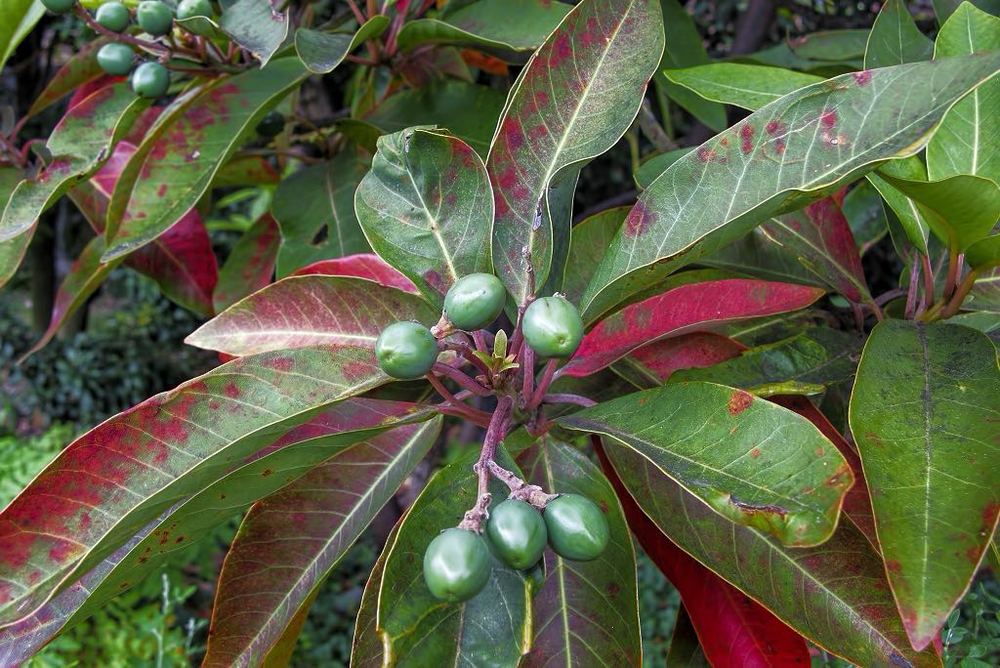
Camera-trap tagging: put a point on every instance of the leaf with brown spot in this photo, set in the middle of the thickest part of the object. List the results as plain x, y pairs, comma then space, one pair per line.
751, 461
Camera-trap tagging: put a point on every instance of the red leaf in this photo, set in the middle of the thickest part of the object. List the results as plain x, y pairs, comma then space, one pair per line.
250, 265
362, 265
688, 351
732, 628
857, 503
681, 310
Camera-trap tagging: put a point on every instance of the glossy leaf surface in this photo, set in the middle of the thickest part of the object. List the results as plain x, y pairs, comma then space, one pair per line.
17, 19
681, 310
114, 479
895, 38
575, 98
301, 311
258, 27
588, 240
795, 149
361, 265
250, 264
321, 52
852, 617
740, 84
753, 462
584, 613
317, 518
924, 413
426, 209
180, 164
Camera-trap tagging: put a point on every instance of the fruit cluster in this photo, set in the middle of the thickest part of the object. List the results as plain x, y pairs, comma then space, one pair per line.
457, 562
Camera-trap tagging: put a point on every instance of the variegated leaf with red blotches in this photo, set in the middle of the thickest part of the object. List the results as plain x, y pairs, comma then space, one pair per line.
652, 364
250, 264
361, 265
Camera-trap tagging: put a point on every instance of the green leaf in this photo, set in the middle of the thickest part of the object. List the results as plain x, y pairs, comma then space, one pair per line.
584, 613
367, 650
574, 99
468, 111
967, 142
314, 208
924, 413
250, 264
314, 310
831, 45
684, 48
944, 8
685, 650
78, 70
11, 252
17, 19
510, 29
852, 616
912, 218
865, 214
985, 253
753, 462
426, 208
589, 239
895, 38
290, 541
803, 364
652, 167
256, 26
122, 474
985, 294
492, 627
79, 145
321, 52
741, 85
760, 255
797, 149
179, 161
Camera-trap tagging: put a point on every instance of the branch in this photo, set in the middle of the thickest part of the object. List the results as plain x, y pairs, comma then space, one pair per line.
467, 383
474, 517
519, 489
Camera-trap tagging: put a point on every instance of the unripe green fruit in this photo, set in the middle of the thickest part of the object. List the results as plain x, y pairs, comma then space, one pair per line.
188, 8
115, 58
577, 528
552, 327
475, 301
59, 6
517, 532
456, 565
150, 80
113, 15
406, 350
154, 17
271, 125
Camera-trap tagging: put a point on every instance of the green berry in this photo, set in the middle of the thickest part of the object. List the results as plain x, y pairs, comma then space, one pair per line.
517, 532
406, 350
116, 58
189, 8
552, 327
154, 17
272, 124
113, 15
150, 80
456, 565
59, 6
577, 528
475, 301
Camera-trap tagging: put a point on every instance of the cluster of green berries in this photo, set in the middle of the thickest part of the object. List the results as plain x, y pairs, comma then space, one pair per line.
457, 562
551, 326
149, 79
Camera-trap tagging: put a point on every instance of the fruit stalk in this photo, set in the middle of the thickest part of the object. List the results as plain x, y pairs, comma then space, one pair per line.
460, 378
152, 47
457, 407
543, 384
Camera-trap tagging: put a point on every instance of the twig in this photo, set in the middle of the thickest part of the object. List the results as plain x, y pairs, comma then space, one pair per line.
473, 520
519, 489
527, 358
121, 37
464, 381
543, 384
928, 282
951, 278
457, 406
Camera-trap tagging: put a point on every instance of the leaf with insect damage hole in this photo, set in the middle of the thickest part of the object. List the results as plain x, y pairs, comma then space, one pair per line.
426, 208
751, 461
924, 412
574, 99
113, 480
797, 149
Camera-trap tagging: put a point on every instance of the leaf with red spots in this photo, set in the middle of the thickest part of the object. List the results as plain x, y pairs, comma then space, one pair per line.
491, 628
967, 141
426, 209
181, 261
835, 594
345, 430
113, 480
802, 147
511, 29
362, 265
79, 144
651, 365
681, 310
924, 415
806, 363
290, 541
176, 164
574, 99
585, 612
314, 310
250, 264
751, 461
314, 208
733, 629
